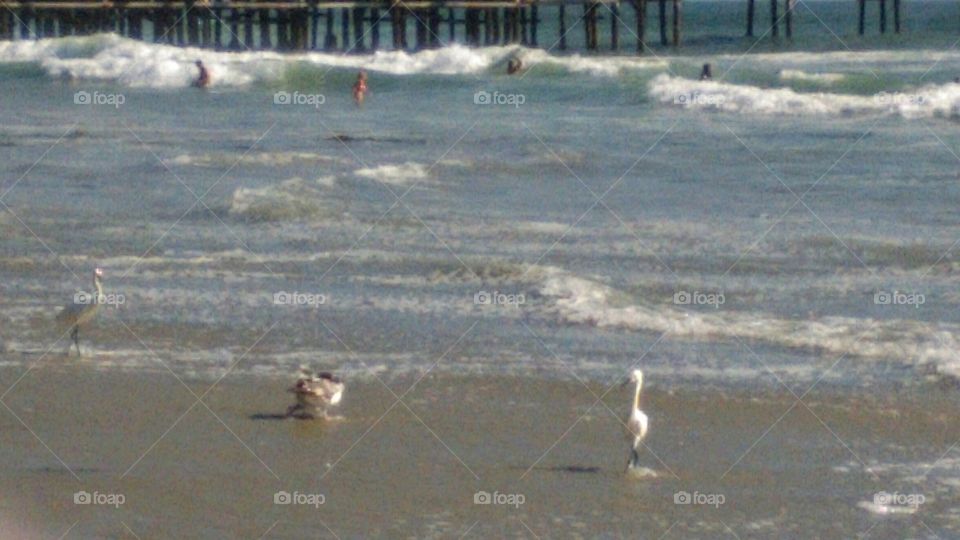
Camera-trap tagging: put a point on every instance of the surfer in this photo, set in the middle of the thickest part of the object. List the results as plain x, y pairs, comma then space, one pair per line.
514, 65
705, 73
360, 88
203, 80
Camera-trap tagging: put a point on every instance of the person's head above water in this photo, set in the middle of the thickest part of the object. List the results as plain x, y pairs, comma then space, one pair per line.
199, 63
362, 75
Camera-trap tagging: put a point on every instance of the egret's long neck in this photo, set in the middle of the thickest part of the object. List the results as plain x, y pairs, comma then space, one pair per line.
636, 396
96, 284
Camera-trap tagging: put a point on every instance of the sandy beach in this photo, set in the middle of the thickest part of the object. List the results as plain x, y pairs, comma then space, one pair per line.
157, 463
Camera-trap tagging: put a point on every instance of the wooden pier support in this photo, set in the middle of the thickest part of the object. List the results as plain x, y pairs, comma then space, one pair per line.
590, 25
421, 29
774, 18
234, 30
248, 33
788, 18
614, 27
298, 25
433, 25
398, 24
883, 16
6, 24
663, 21
534, 21
374, 29
563, 27
358, 14
640, 7
861, 15
896, 16
330, 37
678, 21
344, 29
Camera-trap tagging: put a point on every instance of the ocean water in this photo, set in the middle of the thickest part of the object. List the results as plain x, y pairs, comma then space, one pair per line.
790, 224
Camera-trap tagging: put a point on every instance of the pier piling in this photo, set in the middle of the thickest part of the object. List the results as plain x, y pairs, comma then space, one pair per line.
677, 22
663, 21
297, 25
774, 27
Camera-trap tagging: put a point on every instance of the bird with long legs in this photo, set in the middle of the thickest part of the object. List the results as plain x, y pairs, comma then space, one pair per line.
316, 393
82, 310
637, 423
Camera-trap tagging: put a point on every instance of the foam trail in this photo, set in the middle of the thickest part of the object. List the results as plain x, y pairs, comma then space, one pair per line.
925, 102
583, 301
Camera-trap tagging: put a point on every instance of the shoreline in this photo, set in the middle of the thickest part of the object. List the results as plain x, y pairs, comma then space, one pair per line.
413, 467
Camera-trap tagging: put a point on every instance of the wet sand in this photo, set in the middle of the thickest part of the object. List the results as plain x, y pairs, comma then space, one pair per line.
413, 468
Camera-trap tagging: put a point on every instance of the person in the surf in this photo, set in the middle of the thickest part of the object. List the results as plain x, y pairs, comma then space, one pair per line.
203, 80
360, 88
514, 65
706, 73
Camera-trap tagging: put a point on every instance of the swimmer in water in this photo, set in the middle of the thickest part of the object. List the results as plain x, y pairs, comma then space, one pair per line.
360, 88
203, 80
705, 73
514, 65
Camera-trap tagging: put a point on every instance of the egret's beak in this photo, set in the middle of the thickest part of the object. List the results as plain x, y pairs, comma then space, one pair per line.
625, 383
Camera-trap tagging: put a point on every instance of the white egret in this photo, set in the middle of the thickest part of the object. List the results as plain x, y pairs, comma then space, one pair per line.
637, 423
81, 310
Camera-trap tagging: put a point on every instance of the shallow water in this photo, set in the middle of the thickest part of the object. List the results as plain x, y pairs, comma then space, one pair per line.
550, 454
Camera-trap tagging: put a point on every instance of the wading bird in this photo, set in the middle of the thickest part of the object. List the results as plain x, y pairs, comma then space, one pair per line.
637, 423
81, 310
316, 393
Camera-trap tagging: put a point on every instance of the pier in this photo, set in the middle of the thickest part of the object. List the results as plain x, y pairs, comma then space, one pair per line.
360, 25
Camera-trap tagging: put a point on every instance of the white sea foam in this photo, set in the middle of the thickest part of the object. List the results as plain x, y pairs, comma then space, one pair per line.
291, 199
139, 64
800, 75
927, 101
399, 174
583, 301
265, 159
